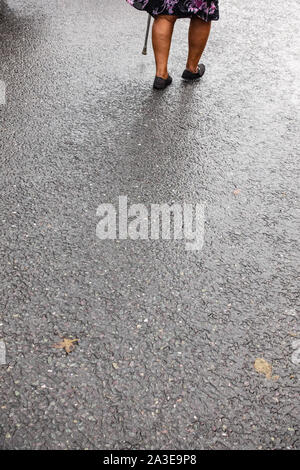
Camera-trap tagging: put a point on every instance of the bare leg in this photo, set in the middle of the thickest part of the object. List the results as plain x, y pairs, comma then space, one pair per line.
198, 36
161, 39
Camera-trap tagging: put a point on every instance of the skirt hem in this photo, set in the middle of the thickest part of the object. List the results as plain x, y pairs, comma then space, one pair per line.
179, 8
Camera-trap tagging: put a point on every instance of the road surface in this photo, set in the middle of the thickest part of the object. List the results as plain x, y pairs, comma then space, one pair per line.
167, 338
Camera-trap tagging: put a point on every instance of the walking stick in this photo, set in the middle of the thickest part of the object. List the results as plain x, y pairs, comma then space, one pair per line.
147, 35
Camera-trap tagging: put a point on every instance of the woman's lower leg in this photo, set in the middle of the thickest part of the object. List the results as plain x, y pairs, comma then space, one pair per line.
161, 39
198, 36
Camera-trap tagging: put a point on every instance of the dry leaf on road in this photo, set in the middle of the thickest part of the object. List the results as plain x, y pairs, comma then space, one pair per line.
263, 367
67, 344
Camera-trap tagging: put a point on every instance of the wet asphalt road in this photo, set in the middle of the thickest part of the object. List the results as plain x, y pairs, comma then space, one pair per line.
167, 338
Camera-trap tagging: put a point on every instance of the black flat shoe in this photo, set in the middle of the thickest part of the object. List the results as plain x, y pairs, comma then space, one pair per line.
161, 83
190, 76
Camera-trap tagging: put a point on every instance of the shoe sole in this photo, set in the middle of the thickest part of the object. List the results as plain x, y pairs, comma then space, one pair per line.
161, 88
191, 79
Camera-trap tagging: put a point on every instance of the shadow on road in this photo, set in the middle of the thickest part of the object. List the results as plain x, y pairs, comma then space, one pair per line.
161, 121
5, 12
18, 30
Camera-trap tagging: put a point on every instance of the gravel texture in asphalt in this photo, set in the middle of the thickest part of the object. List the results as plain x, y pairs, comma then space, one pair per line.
167, 338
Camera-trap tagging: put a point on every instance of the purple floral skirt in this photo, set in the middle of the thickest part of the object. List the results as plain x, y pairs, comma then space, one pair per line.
205, 9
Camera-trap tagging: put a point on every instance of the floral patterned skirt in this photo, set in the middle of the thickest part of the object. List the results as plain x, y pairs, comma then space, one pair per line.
205, 9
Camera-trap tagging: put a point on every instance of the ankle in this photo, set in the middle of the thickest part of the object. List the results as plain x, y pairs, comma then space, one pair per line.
192, 68
162, 74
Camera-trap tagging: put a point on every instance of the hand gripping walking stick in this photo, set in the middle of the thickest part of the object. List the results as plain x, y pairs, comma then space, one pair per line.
144, 52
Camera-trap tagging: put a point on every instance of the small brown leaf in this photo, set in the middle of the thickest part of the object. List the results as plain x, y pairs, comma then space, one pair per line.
263, 367
67, 344
115, 365
236, 192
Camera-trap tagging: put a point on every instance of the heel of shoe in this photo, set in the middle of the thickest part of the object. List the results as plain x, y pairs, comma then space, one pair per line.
189, 76
161, 83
